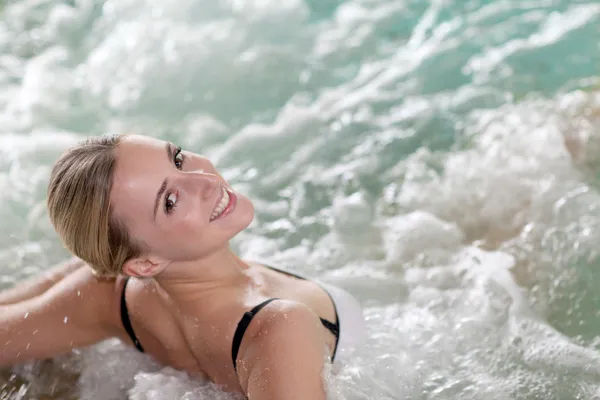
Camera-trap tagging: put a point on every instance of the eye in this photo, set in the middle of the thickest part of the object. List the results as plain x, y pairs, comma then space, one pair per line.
178, 158
170, 202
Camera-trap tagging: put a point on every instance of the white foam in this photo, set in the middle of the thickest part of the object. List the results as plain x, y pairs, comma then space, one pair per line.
431, 246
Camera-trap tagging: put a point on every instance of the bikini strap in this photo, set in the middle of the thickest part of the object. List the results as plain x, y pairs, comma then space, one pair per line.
126, 321
241, 329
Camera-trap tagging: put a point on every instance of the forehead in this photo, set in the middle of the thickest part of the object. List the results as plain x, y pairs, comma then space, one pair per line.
141, 166
140, 143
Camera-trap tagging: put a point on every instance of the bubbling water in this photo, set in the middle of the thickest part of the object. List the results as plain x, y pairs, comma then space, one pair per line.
432, 158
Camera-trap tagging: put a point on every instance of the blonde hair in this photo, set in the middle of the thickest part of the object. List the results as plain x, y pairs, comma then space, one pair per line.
79, 206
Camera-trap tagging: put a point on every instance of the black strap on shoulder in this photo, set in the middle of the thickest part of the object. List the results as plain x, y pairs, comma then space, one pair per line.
333, 328
241, 329
125, 319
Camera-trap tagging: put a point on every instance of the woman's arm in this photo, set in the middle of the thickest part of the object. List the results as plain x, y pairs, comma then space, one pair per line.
77, 311
39, 284
285, 357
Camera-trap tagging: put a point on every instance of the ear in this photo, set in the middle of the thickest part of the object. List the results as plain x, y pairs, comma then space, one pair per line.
143, 267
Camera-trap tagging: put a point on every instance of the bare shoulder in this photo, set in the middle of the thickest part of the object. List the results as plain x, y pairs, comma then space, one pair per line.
286, 315
93, 299
154, 319
281, 317
286, 348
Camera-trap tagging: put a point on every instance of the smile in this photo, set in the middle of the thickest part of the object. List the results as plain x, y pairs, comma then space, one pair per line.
224, 206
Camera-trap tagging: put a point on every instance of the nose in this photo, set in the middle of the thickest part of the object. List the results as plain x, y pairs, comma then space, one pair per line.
204, 183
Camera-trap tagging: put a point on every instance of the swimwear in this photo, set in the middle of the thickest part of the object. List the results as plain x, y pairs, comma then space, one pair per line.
349, 327
350, 321
247, 318
126, 321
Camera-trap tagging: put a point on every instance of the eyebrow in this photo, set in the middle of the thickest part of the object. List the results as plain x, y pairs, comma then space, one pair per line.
163, 186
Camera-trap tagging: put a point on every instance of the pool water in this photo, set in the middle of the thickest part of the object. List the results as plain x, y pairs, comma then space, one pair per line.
438, 159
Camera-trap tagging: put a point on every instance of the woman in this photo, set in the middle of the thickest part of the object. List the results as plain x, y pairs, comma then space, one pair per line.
150, 224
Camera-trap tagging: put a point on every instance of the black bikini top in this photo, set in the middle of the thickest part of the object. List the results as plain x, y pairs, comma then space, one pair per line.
247, 318
243, 324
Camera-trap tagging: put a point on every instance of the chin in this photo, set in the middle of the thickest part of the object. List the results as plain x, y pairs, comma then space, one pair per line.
239, 218
245, 211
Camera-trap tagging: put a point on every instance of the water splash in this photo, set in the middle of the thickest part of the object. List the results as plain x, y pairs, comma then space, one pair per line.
433, 158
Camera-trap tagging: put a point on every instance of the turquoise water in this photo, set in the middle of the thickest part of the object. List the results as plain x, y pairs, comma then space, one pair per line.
415, 153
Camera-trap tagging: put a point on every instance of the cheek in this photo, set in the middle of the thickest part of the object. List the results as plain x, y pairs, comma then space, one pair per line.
191, 224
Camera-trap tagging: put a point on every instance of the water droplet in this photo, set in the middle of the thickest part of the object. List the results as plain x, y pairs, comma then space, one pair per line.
79, 293
26, 315
65, 320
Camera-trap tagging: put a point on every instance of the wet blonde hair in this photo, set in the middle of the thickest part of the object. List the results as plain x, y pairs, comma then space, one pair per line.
79, 206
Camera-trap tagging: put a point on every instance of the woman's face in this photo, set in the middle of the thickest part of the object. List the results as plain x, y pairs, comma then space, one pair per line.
173, 201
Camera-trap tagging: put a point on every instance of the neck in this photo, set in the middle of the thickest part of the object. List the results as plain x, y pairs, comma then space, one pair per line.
185, 281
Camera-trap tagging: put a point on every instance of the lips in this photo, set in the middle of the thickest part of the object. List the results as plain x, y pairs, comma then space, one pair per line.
224, 206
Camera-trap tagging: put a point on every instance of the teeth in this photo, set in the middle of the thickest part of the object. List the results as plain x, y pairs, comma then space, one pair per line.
221, 206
